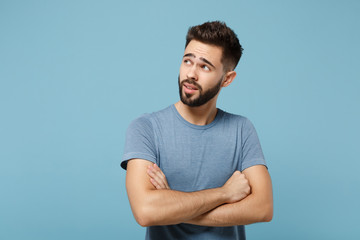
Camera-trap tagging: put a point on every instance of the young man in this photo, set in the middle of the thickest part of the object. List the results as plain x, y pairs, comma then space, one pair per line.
193, 170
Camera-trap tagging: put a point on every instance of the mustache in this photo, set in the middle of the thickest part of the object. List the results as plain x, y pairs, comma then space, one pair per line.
192, 82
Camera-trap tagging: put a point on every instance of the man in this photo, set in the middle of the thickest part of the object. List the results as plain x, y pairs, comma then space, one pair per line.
193, 170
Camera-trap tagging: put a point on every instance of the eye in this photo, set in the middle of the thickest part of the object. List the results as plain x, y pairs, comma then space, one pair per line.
205, 67
187, 61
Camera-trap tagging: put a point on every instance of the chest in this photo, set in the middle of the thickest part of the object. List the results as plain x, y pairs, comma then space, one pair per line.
199, 160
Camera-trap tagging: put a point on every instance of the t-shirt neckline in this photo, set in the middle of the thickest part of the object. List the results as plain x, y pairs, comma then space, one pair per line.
200, 127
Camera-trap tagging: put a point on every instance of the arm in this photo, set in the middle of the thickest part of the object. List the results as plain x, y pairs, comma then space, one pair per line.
164, 207
257, 207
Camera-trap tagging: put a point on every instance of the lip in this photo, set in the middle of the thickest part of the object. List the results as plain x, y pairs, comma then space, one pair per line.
187, 89
188, 85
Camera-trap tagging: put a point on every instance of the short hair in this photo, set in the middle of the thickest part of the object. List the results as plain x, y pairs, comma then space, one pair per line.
218, 34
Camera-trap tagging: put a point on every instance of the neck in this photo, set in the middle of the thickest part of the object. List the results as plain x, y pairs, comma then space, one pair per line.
201, 115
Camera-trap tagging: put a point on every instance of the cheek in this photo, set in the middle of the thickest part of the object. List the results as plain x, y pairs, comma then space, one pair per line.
210, 81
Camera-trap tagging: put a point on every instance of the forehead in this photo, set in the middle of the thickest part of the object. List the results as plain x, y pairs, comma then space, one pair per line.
210, 52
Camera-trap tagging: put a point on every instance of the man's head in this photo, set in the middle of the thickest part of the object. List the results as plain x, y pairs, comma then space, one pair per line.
212, 52
218, 34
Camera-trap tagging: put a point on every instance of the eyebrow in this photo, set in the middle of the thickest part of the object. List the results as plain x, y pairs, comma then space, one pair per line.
201, 58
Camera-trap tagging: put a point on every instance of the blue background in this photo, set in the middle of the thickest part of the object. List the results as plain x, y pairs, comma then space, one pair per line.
75, 73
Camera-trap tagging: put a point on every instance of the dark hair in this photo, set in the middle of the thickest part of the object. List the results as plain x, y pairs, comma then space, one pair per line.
218, 34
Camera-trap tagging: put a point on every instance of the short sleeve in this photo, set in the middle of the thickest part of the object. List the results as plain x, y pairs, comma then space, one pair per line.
139, 142
251, 149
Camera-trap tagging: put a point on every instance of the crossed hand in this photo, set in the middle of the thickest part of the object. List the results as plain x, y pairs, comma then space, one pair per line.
237, 186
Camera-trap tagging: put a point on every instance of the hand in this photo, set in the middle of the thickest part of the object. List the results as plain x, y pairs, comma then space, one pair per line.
236, 187
157, 177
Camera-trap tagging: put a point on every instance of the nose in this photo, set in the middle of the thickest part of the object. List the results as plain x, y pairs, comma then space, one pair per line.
191, 73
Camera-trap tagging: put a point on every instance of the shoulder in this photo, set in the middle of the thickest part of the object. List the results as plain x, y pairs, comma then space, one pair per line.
147, 120
144, 119
239, 122
237, 119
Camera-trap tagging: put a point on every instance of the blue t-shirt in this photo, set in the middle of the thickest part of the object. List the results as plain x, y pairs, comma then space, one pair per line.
194, 158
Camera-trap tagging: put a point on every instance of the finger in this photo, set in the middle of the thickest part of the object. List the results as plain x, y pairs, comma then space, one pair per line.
162, 175
152, 182
156, 177
153, 175
150, 172
159, 173
156, 185
158, 169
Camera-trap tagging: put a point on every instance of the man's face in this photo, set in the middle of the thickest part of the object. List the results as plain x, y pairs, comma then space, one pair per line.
201, 74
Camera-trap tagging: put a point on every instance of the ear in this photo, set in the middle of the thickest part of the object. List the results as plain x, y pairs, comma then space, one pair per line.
229, 77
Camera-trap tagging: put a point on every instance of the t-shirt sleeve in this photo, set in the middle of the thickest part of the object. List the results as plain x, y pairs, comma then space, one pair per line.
251, 149
139, 142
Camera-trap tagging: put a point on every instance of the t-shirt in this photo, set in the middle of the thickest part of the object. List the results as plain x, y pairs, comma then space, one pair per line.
193, 158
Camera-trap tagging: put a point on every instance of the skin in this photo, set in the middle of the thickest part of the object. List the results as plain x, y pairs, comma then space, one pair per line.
245, 198
165, 207
257, 207
207, 76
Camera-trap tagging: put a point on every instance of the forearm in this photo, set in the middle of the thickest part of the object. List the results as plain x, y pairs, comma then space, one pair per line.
166, 207
247, 211
152, 206
256, 207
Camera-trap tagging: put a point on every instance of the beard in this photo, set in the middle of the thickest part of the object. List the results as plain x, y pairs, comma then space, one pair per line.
203, 97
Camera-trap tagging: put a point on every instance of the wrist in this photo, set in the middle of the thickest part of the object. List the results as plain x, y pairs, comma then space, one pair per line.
224, 195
